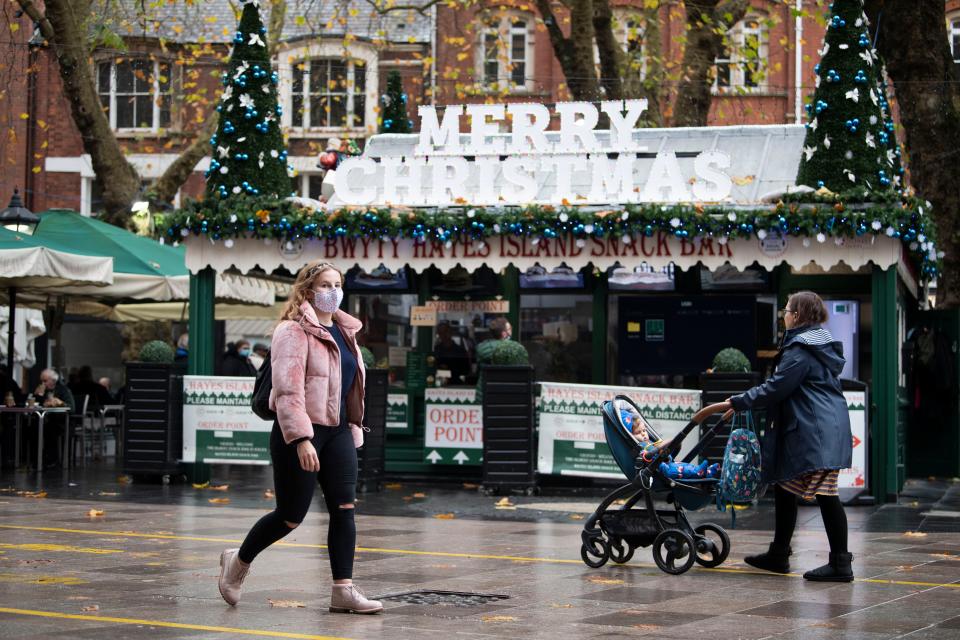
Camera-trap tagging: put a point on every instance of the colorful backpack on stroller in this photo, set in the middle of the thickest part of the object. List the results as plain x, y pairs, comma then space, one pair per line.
740, 484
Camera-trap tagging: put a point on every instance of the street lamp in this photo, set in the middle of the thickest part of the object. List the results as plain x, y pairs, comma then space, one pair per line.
16, 215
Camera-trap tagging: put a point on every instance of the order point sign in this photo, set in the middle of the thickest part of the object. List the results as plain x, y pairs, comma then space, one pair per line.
454, 427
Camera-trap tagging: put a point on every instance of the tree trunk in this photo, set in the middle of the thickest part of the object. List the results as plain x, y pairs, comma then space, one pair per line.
67, 34
913, 41
611, 56
575, 53
707, 23
164, 190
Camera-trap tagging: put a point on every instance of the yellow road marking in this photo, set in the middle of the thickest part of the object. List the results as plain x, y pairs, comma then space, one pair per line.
164, 623
450, 554
33, 546
25, 578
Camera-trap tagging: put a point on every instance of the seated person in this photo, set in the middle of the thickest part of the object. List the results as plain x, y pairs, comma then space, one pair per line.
52, 392
85, 385
450, 354
673, 470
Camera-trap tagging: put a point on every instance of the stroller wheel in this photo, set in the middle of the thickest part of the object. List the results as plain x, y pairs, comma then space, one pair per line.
713, 545
596, 554
620, 550
673, 551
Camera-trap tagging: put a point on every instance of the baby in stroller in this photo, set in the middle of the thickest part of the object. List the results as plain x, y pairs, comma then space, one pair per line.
673, 470
647, 461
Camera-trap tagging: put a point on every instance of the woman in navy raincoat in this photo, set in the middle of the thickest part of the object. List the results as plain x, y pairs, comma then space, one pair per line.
811, 439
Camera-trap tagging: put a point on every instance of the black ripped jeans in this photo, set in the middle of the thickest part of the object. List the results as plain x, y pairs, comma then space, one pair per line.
294, 489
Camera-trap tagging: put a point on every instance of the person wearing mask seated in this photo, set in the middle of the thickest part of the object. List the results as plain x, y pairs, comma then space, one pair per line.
236, 361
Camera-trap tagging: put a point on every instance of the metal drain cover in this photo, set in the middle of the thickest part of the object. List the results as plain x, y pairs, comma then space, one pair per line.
449, 598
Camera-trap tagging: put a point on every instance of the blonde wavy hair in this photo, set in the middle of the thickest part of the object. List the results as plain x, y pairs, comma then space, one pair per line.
303, 287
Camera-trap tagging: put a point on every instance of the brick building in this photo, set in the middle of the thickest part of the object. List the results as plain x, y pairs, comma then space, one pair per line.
496, 52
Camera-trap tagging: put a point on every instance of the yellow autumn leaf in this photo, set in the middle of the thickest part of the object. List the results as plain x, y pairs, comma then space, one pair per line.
124, 479
576, 516
444, 516
219, 500
14, 27
37, 169
419, 494
108, 493
268, 494
561, 606
286, 604
470, 485
24, 116
91, 608
300, 21
201, 485
742, 180
95, 513
497, 618
219, 487
915, 534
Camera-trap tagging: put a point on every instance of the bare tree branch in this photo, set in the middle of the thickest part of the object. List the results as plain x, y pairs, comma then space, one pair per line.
419, 8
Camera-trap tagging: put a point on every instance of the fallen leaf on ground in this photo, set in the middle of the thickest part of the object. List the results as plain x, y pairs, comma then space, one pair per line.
268, 494
504, 502
470, 485
576, 516
444, 516
95, 513
144, 554
393, 486
619, 502
219, 500
91, 607
498, 618
79, 598
124, 479
602, 580
914, 534
645, 627
219, 487
108, 493
34, 494
201, 485
156, 564
561, 606
419, 494
286, 604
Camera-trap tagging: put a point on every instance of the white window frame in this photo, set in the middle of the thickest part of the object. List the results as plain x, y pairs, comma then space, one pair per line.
290, 56
953, 35
506, 27
309, 92
737, 39
154, 94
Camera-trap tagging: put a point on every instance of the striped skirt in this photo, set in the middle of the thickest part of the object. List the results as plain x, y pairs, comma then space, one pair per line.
822, 482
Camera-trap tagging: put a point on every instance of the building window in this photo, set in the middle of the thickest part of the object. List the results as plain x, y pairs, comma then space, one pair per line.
505, 54
328, 93
136, 94
742, 63
955, 38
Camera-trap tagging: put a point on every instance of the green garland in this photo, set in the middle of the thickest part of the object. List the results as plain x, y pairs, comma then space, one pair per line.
822, 215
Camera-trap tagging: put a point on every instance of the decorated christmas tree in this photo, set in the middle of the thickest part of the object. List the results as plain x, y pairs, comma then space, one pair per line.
395, 107
849, 142
892, 150
249, 156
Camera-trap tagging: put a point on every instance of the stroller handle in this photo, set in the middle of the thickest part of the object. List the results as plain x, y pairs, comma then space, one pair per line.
673, 444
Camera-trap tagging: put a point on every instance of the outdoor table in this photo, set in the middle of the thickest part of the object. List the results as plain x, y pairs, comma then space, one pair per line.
41, 413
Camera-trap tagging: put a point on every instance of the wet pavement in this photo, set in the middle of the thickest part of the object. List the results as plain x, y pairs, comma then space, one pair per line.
107, 559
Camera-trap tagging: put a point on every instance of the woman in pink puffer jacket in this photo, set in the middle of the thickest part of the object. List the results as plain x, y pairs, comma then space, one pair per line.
318, 384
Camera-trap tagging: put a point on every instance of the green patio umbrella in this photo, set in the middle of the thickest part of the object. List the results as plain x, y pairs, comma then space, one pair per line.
29, 264
144, 270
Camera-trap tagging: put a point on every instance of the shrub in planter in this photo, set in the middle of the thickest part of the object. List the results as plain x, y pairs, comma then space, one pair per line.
368, 360
510, 352
731, 360
157, 352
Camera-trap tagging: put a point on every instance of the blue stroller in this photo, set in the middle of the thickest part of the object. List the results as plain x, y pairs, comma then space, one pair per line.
614, 534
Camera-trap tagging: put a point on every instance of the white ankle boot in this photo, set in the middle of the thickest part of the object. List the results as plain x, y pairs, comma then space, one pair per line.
232, 573
347, 598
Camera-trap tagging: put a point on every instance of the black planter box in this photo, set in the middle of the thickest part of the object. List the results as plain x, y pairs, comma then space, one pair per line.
717, 387
509, 447
153, 418
371, 455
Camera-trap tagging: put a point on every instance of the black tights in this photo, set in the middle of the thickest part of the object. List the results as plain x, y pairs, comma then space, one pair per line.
294, 491
831, 509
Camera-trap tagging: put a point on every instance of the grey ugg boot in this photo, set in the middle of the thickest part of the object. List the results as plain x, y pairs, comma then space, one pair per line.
232, 573
839, 569
775, 560
347, 598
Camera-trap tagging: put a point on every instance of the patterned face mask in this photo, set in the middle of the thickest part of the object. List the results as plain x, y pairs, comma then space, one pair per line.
328, 300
